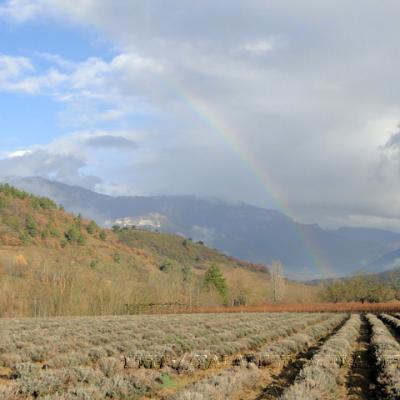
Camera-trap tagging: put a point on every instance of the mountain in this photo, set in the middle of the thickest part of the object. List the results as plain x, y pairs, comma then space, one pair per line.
56, 263
391, 240
240, 230
387, 262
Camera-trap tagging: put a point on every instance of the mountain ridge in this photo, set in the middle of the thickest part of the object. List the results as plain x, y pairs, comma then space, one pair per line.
237, 229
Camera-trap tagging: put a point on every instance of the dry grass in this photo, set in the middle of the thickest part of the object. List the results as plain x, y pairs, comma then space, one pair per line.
43, 272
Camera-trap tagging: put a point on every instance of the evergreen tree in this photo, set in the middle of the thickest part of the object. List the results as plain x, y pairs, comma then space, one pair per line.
215, 278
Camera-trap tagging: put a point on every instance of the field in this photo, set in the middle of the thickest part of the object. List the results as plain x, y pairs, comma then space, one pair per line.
202, 356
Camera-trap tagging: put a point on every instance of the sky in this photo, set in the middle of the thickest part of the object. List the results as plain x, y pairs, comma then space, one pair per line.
291, 105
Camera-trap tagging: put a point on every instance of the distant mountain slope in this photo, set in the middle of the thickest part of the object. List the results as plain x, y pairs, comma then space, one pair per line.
388, 261
240, 230
370, 235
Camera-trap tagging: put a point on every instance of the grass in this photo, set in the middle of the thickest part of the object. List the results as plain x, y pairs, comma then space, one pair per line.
167, 382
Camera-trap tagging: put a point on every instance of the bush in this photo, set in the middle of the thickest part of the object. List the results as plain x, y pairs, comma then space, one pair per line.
117, 258
91, 228
318, 379
72, 235
386, 351
30, 226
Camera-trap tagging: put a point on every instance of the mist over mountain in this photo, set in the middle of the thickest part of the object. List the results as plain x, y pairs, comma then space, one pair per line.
241, 230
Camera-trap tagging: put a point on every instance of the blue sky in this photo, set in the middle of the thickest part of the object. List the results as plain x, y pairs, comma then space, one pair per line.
290, 105
28, 120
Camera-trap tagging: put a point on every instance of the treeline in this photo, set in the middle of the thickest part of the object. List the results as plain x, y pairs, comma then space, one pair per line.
36, 202
361, 288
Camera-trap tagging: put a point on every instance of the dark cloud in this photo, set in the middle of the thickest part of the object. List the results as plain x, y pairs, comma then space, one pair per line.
393, 142
109, 141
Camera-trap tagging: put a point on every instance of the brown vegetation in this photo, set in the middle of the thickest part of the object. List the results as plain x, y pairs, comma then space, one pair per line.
200, 356
392, 306
53, 264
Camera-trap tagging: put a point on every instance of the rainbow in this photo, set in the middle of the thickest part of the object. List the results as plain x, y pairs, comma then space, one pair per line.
219, 125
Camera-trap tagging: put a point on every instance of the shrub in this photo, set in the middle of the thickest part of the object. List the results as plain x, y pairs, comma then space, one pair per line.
387, 354
318, 379
30, 226
91, 228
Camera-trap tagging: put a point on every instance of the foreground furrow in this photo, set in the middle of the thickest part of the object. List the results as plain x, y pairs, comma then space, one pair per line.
318, 380
229, 383
361, 377
387, 354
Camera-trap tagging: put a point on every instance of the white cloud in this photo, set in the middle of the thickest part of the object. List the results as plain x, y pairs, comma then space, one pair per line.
12, 68
93, 90
68, 158
22, 10
18, 153
261, 46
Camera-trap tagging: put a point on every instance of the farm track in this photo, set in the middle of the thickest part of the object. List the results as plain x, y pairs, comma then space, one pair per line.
275, 380
361, 378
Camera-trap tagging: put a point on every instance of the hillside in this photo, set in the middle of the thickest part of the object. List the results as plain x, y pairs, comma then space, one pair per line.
241, 230
55, 263
387, 262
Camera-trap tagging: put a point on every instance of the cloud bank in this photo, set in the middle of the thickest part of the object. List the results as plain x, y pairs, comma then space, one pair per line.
216, 95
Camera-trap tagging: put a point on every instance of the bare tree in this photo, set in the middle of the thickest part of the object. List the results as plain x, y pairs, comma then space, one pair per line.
278, 281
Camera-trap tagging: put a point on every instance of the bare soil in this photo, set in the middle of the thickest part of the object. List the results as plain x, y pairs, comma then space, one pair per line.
288, 374
361, 378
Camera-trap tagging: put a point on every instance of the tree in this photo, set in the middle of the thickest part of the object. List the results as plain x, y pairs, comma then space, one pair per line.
361, 287
215, 278
30, 226
116, 228
72, 235
278, 281
103, 236
91, 228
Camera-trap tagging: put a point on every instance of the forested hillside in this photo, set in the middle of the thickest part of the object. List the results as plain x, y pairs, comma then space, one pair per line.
55, 263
